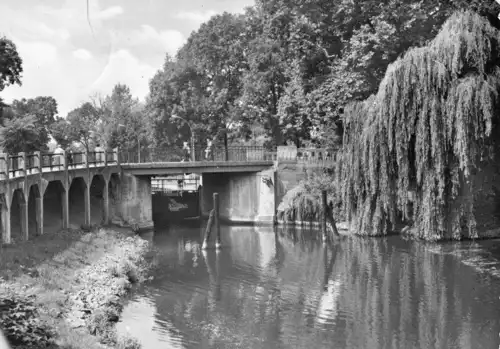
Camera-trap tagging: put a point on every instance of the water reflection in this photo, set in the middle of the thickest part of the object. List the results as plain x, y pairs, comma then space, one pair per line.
284, 289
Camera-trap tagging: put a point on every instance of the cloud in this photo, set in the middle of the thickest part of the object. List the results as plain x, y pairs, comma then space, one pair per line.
197, 17
150, 40
170, 40
44, 74
125, 68
76, 17
29, 27
38, 53
110, 12
82, 54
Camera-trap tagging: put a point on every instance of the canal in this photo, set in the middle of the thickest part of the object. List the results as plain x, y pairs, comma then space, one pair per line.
284, 289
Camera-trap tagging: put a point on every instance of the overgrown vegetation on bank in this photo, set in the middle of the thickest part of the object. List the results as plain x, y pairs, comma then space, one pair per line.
68, 295
429, 130
303, 203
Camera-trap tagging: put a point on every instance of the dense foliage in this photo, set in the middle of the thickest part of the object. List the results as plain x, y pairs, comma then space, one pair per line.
11, 64
287, 66
431, 125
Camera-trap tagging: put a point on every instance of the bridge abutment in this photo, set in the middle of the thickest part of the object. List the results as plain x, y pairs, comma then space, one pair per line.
135, 204
245, 198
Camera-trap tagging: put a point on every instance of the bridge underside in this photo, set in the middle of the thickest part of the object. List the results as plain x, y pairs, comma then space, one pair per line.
200, 167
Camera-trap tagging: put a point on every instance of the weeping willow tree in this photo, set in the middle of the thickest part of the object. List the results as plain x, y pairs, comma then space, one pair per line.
414, 151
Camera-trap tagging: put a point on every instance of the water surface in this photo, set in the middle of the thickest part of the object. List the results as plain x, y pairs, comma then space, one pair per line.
284, 289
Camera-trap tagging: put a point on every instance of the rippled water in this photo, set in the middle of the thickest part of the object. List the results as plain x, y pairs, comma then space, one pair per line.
286, 290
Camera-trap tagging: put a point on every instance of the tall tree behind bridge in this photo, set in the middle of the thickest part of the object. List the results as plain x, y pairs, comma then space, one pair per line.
290, 65
11, 65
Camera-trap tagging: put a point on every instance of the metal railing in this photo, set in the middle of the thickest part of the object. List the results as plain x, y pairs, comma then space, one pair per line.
21, 164
16, 165
201, 153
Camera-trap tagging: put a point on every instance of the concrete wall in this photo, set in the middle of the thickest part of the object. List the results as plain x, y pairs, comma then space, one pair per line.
243, 197
135, 204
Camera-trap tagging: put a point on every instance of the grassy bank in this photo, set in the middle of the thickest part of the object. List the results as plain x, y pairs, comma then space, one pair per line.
63, 290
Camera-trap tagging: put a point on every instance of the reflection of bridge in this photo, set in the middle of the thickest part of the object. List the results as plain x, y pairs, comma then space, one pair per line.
42, 191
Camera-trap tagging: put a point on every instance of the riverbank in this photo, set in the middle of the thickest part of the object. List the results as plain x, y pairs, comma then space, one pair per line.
64, 289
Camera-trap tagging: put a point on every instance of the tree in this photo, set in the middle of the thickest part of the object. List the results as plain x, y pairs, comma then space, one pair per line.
10, 64
10, 67
61, 132
19, 135
43, 109
83, 124
431, 126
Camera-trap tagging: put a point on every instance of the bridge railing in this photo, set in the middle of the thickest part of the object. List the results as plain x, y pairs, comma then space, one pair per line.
217, 153
16, 165
307, 156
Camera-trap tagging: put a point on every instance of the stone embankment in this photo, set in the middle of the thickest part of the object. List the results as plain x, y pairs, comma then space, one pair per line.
66, 292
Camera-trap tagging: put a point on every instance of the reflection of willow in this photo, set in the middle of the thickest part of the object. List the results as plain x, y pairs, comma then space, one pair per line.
305, 234
327, 307
407, 299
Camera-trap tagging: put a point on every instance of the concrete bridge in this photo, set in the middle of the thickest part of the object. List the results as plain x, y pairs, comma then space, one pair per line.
43, 191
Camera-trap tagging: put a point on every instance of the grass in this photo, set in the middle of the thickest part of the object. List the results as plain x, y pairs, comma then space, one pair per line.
67, 287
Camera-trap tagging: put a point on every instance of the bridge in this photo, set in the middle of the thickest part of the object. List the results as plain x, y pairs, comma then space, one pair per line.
42, 191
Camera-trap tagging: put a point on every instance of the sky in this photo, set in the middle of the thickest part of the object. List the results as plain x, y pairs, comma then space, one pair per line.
126, 42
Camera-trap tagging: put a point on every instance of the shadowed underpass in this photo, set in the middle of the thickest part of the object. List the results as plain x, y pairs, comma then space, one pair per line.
77, 203
52, 206
15, 214
96, 199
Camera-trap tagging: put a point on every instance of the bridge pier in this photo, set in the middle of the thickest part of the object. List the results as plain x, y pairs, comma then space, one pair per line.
86, 196
5, 211
65, 207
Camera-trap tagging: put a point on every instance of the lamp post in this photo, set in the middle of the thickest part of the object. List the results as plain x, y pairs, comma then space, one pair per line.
192, 135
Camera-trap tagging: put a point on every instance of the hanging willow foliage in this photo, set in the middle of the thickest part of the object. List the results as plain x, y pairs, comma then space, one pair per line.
425, 133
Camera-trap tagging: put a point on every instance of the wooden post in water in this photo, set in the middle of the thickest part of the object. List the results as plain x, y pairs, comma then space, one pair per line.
208, 229
325, 207
217, 220
213, 220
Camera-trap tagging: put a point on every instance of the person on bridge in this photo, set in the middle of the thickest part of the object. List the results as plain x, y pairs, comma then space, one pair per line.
187, 152
58, 158
208, 150
99, 154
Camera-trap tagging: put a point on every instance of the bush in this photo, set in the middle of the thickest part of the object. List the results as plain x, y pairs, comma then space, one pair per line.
20, 322
127, 342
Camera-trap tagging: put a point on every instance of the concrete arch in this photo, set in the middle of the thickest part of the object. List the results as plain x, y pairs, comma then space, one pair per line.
18, 216
53, 207
98, 189
78, 197
34, 211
